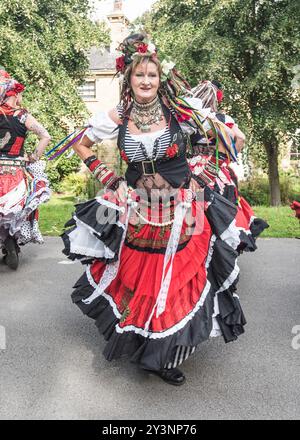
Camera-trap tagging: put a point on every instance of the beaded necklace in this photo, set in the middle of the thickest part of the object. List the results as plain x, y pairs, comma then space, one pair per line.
144, 115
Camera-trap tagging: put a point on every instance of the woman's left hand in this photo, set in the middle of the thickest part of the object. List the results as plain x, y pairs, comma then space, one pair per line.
33, 157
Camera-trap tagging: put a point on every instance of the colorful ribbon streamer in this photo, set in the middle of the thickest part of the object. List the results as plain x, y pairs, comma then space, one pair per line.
65, 147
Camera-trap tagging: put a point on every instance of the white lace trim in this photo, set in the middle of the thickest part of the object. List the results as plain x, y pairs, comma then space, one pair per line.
172, 330
108, 297
111, 270
216, 331
231, 235
111, 205
231, 278
83, 242
210, 251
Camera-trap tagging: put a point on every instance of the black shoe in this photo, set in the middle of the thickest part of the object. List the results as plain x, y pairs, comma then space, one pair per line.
11, 258
172, 376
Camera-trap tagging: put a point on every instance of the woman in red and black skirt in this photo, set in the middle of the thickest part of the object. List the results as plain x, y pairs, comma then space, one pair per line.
23, 183
159, 278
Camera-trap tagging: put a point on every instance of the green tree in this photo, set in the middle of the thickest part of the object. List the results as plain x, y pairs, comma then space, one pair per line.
251, 46
44, 45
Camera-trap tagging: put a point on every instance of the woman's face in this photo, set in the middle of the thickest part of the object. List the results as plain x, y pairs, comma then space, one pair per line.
145, 81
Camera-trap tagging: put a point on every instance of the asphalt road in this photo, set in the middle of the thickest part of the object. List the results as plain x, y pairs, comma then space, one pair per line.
53, 368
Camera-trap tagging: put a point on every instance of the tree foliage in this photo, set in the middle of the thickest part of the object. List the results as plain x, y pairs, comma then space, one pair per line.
252, 47
43, 45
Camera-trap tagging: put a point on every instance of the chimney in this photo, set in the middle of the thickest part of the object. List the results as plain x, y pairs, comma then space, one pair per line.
118, 5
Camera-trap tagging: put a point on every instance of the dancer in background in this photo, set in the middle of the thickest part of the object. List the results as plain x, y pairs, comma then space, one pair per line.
23, 183
226, 181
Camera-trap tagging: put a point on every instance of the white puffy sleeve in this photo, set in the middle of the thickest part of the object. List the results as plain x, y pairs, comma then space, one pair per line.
101, 126
196, 103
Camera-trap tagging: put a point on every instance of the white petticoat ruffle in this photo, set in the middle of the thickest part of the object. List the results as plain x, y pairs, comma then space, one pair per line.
17, 205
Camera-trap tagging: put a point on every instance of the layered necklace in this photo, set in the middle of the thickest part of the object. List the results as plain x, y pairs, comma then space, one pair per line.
144, 115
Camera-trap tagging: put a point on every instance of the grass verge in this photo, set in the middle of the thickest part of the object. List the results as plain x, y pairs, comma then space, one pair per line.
282, 221
55, 213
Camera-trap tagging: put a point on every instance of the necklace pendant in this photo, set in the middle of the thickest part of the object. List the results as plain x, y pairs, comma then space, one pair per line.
145, 128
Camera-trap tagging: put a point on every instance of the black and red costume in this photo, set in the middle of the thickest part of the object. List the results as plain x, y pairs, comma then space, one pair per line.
23, 186
156, 290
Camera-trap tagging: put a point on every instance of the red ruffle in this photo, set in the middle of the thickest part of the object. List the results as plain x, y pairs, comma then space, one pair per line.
9, 181
244, 214
138, 281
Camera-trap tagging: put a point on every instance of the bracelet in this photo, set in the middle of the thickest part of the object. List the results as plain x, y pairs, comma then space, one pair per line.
98, 169
89, 160
114, 183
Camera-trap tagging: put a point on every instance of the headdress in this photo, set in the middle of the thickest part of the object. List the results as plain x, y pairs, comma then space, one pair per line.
8, 86
219, 87
138, 46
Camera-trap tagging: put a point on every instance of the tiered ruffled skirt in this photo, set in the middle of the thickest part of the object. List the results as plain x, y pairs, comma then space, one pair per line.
126, 268
21, 192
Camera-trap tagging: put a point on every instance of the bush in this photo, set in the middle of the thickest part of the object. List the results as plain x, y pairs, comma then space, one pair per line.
75, 184
54, 178
58, 170
82, 186
257, 192
93, 187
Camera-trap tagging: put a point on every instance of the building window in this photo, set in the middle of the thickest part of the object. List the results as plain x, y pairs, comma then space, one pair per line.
295, 152
88, 90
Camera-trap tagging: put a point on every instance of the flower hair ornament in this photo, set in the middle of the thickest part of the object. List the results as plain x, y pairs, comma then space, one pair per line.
8, 86
219, 88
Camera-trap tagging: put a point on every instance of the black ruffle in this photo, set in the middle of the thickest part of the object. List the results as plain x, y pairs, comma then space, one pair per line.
231, 318
102, 220
222, 263
258, 226
248, 241
220, 212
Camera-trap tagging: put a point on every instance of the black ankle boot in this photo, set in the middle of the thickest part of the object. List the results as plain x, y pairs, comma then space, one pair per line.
11, 258
172, 376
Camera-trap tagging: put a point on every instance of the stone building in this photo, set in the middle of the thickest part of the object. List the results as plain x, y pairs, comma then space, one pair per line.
101, 90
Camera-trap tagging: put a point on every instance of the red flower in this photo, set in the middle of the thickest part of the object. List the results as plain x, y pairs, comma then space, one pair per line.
219, 95
120, 64
229, 124
172, 150
19, 88
142, 48
124, 156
